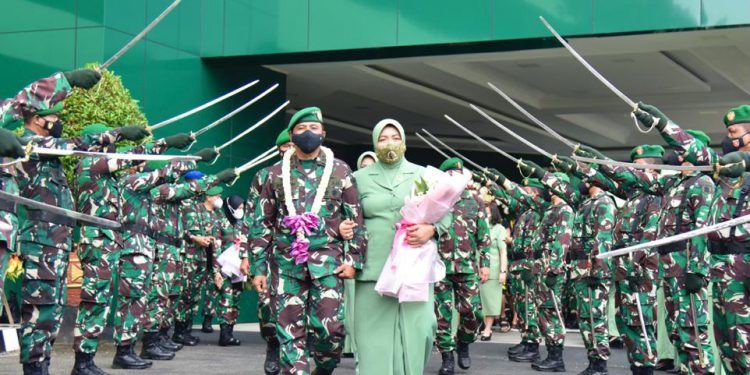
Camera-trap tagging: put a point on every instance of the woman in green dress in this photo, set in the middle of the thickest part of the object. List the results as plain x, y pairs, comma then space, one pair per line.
391, 338
492, 291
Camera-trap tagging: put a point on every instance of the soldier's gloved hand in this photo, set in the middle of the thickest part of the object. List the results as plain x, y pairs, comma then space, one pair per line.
10, 145
179, 140
83, 78
496, 176
530, 169
133, 132
527, 276
479, 177
649, 116
588, 152
565, 164
550, 281
594, 282
734, 164
226, 176
207, 154
694, 282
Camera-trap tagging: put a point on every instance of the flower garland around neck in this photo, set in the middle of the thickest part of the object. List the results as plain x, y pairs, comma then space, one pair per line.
302, 225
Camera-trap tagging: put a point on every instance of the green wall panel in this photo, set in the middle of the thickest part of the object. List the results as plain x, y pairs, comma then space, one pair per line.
89, 45
444, 21
343, 24
48, 14
271, 26
520, 19
725, 12
90, 13
22, 63
126, 16
212, 27
637, 15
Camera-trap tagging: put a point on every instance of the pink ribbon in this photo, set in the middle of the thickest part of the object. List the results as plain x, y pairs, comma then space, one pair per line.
305, 224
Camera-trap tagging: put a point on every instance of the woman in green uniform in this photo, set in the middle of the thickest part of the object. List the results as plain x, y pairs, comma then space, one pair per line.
492, 291
391, 338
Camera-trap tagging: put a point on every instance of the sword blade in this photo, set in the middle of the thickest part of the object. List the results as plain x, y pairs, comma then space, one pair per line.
678, 237
140, 35
257, 124
512, 133
439, 151
59, 211
588, 66
557, 310
266, 155
111, 155
702, 168
531, 117
236, 111
481, 168
204, 105
480, 139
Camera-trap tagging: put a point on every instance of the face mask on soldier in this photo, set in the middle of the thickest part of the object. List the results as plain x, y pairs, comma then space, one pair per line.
218, 203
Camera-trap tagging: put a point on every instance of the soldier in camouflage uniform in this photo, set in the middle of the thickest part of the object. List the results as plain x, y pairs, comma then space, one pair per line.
98, 195
310, 288
467, 239
592, 235
730, 249
685, 206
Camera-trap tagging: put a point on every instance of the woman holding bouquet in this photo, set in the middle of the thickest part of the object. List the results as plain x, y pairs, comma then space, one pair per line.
391, 337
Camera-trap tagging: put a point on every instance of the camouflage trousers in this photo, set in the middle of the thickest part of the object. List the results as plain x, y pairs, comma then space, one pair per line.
548, 304
44, 294
211, 296
315, 305
193, 278
462, 292
682, 325
132, 299
163, 278
592, 318
629, 320
97, 262
228, 302
524, 307
266, 309
732, 324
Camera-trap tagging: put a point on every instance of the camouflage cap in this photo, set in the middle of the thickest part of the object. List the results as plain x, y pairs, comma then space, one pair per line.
646, 151
309, 114
216, 190
737, 115
452, 163
283, 138
95, 129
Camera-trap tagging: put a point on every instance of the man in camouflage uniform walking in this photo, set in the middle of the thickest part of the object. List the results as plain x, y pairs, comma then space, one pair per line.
467, 239
310, 288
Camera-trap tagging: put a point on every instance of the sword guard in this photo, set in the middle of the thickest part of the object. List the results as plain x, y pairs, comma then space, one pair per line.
218, 153
193, 138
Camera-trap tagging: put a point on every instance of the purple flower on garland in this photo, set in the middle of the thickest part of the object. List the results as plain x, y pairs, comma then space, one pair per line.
302, 226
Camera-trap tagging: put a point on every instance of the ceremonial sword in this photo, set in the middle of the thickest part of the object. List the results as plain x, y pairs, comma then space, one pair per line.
481, 168
59, 211
265, 156
108, 155
439, 151
512, 133
248, 130
482, 140
703, 168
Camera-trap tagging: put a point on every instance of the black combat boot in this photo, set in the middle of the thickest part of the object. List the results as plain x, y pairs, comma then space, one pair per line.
181, 336
167, 343
152, 350
530, 353
553, 362
516, 349
271, 366
85, 365
647, 371
599, 367
464, 360
449, 364
206, 327
322, 371
125, 358
225, 336
36, 368
664, 365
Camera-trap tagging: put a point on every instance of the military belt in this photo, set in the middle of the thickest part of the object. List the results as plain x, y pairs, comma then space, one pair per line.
46, 216
136, 228
729, 247
8, 207
169, 240
673, 247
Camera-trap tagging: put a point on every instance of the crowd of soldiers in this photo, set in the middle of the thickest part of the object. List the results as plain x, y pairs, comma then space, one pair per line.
304, 229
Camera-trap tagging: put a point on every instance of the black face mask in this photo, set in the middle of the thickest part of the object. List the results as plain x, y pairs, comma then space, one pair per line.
740, 141
55, 128
307, 141
727, 146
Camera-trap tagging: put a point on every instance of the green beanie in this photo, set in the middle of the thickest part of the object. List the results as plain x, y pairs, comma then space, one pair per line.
216, 190
95, 129
283, 138
309, 114
533, 182
737, 115
646, 151
452, 163
382, 124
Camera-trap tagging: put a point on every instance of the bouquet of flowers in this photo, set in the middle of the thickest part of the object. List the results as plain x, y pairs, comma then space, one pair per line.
409, 271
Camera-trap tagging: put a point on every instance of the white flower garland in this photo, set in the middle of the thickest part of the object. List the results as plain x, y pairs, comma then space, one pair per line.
286, 173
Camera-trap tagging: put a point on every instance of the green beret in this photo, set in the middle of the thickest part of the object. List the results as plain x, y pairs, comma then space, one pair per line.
58, 107
216, 190
283, 138
699, 135
125, 148
562, 177
155, 165
646, 151
452, 163
737, 115
533, 182
95, 129
309, 114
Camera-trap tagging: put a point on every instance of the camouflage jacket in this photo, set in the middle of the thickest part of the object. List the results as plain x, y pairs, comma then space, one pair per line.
592, 235
685, 206
341, 202
730, 247
167, 199
201, 221
684, 143
98, 190
43, 179
253, 196
468, 235
137, 210
526, 232
556, 237
44, 93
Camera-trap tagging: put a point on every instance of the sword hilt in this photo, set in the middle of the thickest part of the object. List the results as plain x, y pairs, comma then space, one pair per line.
193, 139
218, 153
237, 177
